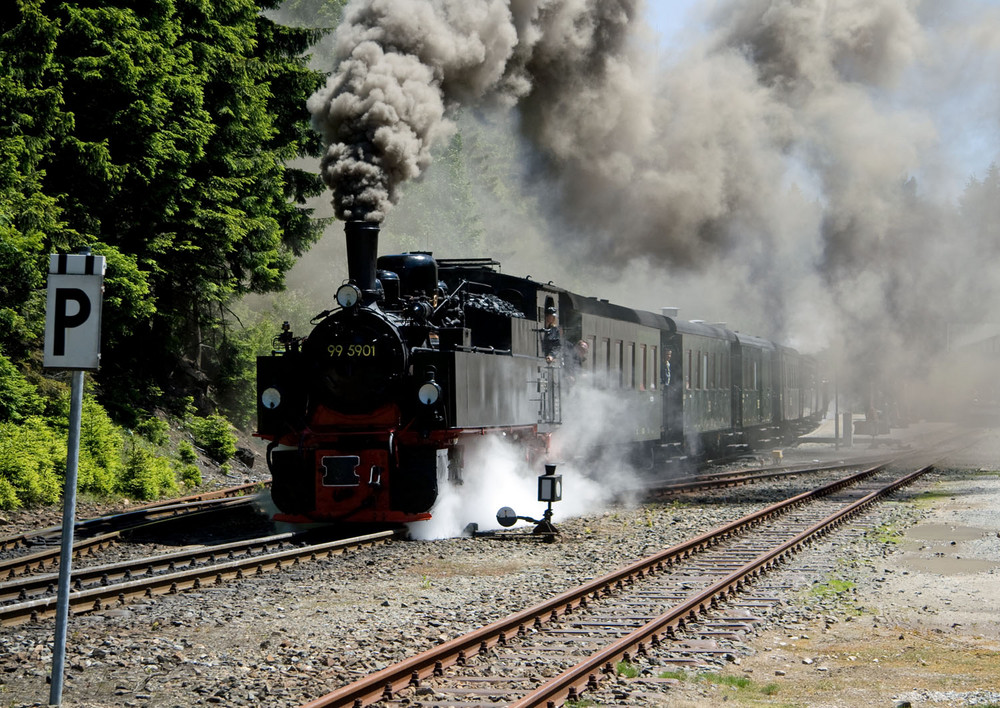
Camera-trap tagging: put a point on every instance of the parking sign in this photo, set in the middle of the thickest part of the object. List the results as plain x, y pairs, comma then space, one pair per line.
73, 312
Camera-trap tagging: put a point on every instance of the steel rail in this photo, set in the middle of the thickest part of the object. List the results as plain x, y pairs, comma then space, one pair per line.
13, 567
51, 534
102, 597
36, 584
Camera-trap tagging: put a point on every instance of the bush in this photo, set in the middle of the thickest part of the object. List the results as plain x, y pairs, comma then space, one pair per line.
146, 475
186, 452
18, 398
153, 429
190, 475
32, 461
100, 465
214, 435
8, 495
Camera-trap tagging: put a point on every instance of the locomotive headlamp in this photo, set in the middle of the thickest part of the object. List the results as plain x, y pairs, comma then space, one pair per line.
429, 393
348, 295
271, 398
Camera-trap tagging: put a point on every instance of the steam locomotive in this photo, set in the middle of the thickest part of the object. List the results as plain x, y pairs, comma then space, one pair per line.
367, 415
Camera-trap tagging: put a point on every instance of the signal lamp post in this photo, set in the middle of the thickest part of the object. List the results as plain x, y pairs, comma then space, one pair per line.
549, 490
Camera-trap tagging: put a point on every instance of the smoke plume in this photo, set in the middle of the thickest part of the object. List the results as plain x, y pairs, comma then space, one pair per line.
794, 166
401, 65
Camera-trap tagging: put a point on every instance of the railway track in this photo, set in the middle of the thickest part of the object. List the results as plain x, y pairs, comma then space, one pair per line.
156, 511
32, 598
39, 551
736, 477
670, 603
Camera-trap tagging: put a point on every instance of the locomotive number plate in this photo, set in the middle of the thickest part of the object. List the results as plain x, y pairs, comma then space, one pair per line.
352, 350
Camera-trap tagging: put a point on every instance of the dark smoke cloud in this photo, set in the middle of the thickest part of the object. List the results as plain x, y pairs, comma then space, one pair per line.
401, 64
789, 165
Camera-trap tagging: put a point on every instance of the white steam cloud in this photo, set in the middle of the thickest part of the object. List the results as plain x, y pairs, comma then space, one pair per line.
496, 476
594, 473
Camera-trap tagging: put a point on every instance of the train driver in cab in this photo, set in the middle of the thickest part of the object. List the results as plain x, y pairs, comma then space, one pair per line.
551, 340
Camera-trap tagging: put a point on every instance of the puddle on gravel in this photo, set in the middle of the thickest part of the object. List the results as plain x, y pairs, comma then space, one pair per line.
938, 548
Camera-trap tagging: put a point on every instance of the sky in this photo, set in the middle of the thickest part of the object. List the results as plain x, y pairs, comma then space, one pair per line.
669, 17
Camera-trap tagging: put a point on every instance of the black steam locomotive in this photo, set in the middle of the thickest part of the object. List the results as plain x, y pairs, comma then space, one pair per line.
371, 411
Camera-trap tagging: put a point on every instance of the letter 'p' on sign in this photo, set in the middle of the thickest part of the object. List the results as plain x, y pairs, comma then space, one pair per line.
73, 312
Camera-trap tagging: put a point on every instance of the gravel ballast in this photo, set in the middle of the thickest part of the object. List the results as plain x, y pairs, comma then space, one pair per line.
914, 604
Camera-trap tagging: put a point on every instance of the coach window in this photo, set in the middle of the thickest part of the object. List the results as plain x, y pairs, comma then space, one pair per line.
620, 356
656, 369
643, 354
592, 359
630, 365
687, 371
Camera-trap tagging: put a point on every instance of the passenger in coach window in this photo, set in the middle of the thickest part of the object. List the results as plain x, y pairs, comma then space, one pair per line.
665, 375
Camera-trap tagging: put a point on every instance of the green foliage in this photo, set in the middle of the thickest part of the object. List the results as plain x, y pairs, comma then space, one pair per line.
726, 680
214, 435
190, 475
311, 13
100, 464
236, 378
147, 476
885, 533
745, 686
8, 494
626, 669
32, 460
186, 452
154, 430
673, 674
158, 133
21, 319
18, 398
834, 587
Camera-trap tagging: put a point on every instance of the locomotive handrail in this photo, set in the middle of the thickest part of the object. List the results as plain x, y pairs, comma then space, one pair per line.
473, 350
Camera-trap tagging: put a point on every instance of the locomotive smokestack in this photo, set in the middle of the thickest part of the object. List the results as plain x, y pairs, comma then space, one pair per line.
362, 252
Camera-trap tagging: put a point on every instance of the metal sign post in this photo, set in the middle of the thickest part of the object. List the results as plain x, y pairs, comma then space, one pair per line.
72, 341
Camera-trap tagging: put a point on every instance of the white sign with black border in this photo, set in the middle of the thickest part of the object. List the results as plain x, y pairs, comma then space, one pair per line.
73, 312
